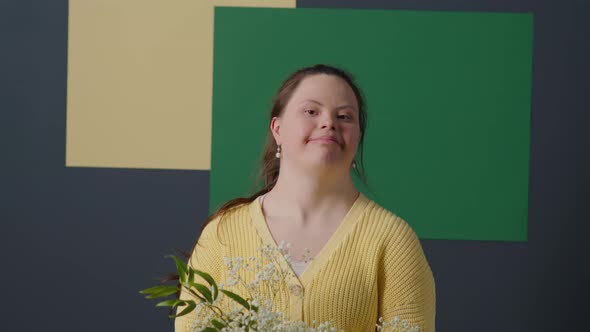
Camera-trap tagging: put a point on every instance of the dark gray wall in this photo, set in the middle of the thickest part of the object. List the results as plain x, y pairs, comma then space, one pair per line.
78, 243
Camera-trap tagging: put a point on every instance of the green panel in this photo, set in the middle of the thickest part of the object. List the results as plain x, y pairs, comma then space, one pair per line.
448, 94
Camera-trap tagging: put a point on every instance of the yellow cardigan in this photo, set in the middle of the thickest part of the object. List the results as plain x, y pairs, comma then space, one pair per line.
372, 266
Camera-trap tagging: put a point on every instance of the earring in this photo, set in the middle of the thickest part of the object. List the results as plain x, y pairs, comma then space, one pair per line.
278, 154
353, 164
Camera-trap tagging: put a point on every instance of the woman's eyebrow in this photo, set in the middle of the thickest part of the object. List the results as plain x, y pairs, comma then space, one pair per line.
313, 101
337, 108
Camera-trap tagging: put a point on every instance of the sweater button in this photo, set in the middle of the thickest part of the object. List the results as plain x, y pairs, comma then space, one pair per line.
296, 290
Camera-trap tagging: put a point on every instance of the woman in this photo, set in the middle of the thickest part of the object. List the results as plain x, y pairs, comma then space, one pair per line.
367, 262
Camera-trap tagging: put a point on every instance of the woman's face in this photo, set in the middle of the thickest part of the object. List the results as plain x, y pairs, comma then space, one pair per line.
319, 127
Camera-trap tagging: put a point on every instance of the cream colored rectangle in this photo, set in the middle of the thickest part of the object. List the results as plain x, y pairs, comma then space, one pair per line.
140, 82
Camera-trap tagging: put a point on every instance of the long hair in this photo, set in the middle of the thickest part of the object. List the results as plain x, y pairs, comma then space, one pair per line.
269, 166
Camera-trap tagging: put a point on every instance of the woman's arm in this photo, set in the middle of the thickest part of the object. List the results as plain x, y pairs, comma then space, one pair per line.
406, 283
207, 256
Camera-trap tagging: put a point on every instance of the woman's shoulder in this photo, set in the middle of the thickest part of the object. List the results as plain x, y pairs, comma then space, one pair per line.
397, 238
229, 218
389, 222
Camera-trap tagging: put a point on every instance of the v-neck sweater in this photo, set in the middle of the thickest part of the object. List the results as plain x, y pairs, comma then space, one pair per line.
372, 266
297, 266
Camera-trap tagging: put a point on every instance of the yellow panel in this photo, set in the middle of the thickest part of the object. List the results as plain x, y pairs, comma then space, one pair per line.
140, 78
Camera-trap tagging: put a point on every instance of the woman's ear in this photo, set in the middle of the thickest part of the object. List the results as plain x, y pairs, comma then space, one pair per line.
275, 128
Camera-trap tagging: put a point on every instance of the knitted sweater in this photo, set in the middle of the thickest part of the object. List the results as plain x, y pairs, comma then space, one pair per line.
372, 266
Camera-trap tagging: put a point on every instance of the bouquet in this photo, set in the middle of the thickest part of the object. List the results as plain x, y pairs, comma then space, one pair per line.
220, 309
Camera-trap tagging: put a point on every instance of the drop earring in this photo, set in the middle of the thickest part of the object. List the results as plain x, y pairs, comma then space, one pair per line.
353, 164
278, 154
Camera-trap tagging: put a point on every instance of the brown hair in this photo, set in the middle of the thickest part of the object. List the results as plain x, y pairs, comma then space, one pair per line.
269, 170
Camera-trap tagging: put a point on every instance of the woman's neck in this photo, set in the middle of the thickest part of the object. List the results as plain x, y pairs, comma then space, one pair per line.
305, 198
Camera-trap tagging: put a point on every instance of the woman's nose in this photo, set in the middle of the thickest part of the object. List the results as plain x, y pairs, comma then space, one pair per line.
328, 120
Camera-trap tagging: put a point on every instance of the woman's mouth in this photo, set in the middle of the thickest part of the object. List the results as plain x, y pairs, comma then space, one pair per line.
326, 139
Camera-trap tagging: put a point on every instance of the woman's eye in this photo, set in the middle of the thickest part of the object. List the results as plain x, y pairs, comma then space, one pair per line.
310, 111
345, 116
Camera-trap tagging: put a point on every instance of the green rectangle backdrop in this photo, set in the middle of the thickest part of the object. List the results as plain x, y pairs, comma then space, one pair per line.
448, 95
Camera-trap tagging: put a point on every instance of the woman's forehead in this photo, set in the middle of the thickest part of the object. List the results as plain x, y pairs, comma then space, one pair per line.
323, 89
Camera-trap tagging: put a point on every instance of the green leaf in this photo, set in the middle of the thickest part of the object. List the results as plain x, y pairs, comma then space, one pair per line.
204, 291
205, 276
191, 275
190, 305
215, 292
197, 295
161, 291
236, 298
170, 303
181, 267
209, 280
218, 325
150, 290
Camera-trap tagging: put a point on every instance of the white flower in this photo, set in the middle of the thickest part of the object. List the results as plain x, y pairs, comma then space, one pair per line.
396, 325
269, 276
